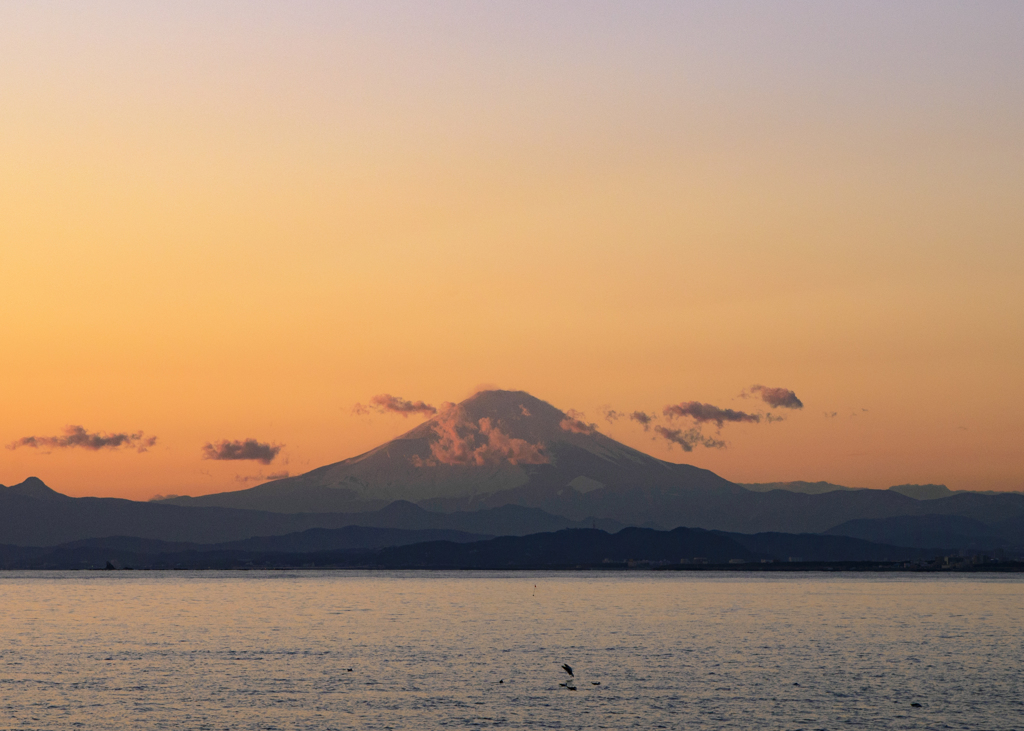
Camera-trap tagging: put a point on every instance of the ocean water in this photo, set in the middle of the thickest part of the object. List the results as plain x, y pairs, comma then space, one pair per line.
273, 650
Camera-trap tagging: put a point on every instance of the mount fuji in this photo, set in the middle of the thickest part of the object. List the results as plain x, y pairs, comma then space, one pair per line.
495, 448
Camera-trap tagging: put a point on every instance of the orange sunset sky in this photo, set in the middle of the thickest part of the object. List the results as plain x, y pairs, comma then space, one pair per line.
228, 220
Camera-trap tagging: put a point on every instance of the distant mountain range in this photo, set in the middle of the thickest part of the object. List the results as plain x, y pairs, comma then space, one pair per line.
31, 514
389, 548
503, 463
129, 551
918, 492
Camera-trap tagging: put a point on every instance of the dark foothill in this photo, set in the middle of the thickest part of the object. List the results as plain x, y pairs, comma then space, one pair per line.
109, 567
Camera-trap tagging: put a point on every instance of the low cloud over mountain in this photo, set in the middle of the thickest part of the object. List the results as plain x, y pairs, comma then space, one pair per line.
461, 441
249, 449
78, 436
385, 403
573, 422
702, 413
688, 439
643, 419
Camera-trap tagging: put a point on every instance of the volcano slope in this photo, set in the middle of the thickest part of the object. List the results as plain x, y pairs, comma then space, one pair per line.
505, 448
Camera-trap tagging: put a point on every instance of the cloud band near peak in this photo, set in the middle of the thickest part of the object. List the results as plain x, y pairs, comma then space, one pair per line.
247, 449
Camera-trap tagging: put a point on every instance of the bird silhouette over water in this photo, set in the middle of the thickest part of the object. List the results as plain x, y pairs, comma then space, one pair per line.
570, 683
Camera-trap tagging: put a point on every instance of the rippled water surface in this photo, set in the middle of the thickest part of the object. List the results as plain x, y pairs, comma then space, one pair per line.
254, 650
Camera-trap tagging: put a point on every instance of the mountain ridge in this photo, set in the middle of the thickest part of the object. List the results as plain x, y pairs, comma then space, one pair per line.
384, 548
44, 520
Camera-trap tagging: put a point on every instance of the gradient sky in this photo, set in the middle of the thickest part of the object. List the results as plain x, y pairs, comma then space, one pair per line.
236, 220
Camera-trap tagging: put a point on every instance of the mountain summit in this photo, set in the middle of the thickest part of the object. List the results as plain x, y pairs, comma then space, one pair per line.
496, 447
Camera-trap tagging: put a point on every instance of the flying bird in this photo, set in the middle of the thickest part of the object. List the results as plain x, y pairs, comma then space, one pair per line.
568, 685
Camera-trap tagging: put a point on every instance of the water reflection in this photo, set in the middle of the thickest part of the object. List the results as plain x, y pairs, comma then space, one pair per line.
427, 650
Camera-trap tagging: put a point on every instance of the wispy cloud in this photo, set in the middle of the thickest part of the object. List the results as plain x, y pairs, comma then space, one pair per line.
481, 387
702, 413
779, 398
574, 423
611, 415
248, 449
78, 436
261, 477
461, 441
688, 439
643, 419
385, 403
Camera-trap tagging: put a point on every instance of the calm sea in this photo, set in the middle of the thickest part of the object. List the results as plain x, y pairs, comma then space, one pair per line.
273, 650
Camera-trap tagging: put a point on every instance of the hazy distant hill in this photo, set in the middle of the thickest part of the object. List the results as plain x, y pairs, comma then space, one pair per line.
955, 531
743, 511
918, 492
387, 548
130, 551
924, 492
583, 547
31, 514
807, 488
569, 548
